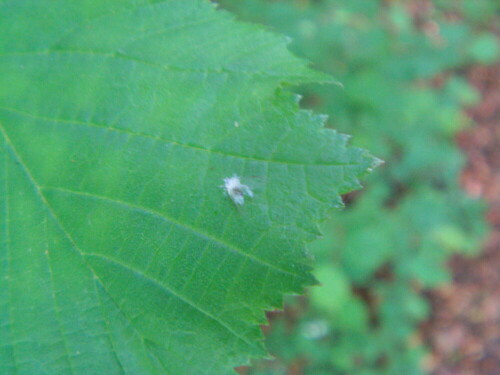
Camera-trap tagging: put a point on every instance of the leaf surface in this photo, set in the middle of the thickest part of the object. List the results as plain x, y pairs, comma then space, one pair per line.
119, 252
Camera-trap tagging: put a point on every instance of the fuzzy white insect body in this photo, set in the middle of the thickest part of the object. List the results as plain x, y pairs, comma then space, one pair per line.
236, 190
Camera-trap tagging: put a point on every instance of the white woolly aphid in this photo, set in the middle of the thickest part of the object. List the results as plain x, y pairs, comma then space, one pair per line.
236, 190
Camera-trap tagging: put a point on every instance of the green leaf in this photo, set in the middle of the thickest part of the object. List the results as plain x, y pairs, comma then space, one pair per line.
119, 120
334, 291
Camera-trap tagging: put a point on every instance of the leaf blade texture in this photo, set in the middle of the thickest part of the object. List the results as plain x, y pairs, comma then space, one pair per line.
120, 254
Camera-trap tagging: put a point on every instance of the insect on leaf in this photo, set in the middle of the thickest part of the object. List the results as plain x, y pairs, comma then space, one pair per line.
119, 253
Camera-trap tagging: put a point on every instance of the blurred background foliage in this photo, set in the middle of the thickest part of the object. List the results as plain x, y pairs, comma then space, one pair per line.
400, 65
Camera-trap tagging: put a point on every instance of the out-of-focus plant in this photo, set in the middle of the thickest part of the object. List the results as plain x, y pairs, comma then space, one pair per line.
402, 100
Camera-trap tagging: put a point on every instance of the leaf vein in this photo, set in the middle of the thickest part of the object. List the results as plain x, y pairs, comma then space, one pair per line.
170, 141
171, 292
196, 231
167, 68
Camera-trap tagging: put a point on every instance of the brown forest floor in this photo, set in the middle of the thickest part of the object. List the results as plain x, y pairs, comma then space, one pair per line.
464, 330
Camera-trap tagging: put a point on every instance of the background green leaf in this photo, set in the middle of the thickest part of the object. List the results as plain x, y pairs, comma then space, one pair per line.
119, 252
